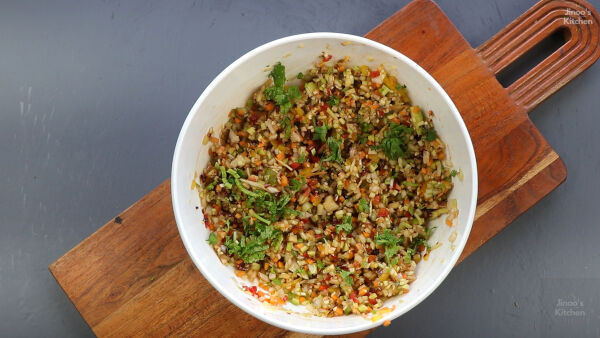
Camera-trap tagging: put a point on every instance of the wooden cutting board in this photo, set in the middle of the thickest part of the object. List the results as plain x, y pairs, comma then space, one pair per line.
133, 277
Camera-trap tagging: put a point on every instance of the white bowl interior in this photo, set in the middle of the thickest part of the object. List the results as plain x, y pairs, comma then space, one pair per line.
298, 53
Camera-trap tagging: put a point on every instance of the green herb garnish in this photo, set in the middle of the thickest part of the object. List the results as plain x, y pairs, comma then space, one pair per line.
335, 147
295, 185
394, 142
363, 205
390, 242
346, 225
430, 135
212, 239
346, 276
320, 132
333, 101
278, 93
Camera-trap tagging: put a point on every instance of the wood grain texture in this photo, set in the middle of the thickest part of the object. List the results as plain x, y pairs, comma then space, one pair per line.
121, 278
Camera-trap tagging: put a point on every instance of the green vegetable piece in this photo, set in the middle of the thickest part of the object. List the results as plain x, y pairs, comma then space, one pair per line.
346, 225
320, 133
299, 76
430, 135
384, 90
212, 239
394, 143
295, 185
346, 276
410, 184
310, 87
416, 117
390, 242
278, 93
363, 205
333, 101
212, 185
335, 147
270, 176
301, 158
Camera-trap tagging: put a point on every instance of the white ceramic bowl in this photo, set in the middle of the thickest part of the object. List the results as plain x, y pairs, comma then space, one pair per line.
232, 88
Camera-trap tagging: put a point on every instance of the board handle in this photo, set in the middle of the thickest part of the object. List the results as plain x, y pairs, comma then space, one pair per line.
577, 19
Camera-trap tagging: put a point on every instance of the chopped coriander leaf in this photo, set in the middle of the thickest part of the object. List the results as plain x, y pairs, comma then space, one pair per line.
394, 143
249, 250
430, 135
212, 239
386, 238
277, 281
299, 76
278, 93
453, 173
346, 225
278, 75
390, 242
333, 101
264, 202
321, 133
287, 126
335, 147
363, 205
366, 127
399, 86
346, 276
391, 250
295, 185
301, 158
320, 264
293, 93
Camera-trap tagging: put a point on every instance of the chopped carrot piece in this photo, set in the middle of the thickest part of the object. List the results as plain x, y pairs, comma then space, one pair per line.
301, 299
270, 106
339, 311
299, 245
280, 156
284, 181
387, 323
280, 265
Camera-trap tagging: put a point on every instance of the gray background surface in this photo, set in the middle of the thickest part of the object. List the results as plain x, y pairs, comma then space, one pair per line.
92, 96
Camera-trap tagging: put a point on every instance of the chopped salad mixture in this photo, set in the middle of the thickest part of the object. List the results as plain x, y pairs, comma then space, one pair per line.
321, 192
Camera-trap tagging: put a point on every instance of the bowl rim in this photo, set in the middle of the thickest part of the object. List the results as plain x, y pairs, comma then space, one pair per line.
367, 323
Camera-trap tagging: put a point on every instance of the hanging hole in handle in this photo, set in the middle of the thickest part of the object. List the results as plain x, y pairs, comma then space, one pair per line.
533, 57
